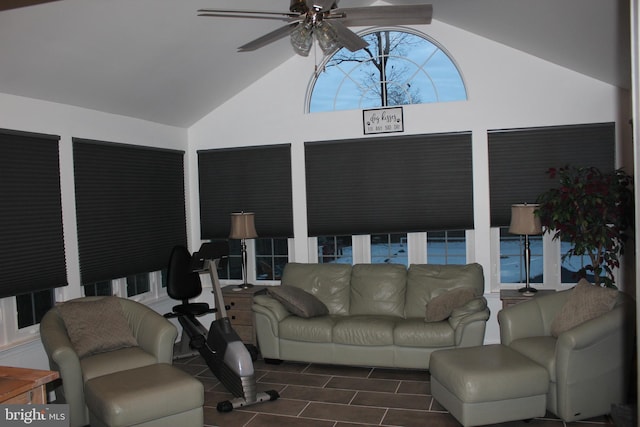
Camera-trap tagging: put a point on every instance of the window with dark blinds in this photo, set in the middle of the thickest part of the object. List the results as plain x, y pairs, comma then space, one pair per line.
246, 179
389, 184
520, 158
32, 256
130, 205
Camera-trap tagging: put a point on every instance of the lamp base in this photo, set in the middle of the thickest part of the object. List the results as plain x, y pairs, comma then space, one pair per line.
245, 286
528, 291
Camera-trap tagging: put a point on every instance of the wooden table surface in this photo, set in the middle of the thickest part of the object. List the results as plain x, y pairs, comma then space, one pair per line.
24, 385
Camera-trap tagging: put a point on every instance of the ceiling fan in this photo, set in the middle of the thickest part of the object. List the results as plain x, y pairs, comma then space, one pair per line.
328, 23
14, 4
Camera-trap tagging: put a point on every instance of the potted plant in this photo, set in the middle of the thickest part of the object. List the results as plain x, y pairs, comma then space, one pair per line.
594, 212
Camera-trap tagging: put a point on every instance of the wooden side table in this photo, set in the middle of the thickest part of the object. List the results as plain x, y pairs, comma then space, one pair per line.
24, 386
511, 297
240, 314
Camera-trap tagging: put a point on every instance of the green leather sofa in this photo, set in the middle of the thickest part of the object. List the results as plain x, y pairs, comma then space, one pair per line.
376, 314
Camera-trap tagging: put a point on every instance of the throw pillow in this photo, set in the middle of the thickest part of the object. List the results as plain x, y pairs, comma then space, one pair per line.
585, 302
96, 326
298, 301
440, 307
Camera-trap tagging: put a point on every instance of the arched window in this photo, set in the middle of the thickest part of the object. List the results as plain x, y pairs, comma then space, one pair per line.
397, 68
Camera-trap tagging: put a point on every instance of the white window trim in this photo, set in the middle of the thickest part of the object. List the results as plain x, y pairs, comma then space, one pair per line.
417, 247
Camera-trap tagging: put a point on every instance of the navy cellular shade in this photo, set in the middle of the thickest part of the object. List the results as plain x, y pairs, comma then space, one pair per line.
130, 206
32, 253
389, 184
520, 158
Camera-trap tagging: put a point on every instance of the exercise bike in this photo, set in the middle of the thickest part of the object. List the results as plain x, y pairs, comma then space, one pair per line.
220, 346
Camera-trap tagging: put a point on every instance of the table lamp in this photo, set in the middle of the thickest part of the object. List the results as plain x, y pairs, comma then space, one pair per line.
525, 222
243, 227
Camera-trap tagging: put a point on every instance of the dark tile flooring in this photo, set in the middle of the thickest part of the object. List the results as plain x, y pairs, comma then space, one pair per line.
313, 395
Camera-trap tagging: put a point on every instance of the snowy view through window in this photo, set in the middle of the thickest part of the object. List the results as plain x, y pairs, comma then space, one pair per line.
453, 251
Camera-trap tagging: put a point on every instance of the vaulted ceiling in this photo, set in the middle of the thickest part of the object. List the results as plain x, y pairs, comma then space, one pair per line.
156, 60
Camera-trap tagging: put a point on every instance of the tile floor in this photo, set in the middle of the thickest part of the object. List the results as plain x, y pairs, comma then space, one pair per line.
313, 395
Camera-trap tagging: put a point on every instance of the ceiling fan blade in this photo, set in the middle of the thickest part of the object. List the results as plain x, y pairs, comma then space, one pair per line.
218, 13
348, 38
323, 5
268, 38
383, 15
14, 4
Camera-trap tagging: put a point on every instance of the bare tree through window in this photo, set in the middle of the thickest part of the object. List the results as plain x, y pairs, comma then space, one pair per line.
397, 68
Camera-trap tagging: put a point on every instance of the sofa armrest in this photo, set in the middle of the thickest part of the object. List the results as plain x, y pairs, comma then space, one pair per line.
520, 321
592, 331
469, 322
476, 309
271, 307
156, 335
64, 359
596, 355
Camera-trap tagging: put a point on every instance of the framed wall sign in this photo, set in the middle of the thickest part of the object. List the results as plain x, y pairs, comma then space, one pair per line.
382, 120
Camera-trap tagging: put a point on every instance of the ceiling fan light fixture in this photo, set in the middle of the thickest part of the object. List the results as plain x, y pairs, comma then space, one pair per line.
302, 39
325, 21
327, 37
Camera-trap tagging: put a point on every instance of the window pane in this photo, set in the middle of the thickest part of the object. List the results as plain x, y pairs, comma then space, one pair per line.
446, 247
163, 278
389, 248
336, 249
233, 268
32, 306
512, 267
271, 257
98, 288
138, 284
571, 265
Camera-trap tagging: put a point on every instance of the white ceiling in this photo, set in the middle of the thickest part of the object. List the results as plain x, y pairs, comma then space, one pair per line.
156, 60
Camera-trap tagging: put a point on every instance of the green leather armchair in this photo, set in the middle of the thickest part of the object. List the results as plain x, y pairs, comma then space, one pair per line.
155, 336
589, 366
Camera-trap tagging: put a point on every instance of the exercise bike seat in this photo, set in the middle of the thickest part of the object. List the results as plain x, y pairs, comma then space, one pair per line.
183, 284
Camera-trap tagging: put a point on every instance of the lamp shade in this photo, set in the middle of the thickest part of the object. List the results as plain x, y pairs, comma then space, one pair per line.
524, 220
243, 226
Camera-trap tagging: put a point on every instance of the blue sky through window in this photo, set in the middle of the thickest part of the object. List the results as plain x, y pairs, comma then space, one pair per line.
417, 71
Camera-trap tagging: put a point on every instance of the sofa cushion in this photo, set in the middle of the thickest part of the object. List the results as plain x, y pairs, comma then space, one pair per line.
416, 333
96, 326
298, 301
585, 302
100, 364
364, 330
327, 282
317, 329
441, 307
378, 289
541, 350
426, 281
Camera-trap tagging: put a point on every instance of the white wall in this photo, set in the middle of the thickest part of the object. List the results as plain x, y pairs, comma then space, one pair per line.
506, 89
31, 115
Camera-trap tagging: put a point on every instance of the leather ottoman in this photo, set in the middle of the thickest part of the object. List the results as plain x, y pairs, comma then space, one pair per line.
488, 384
158, 395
